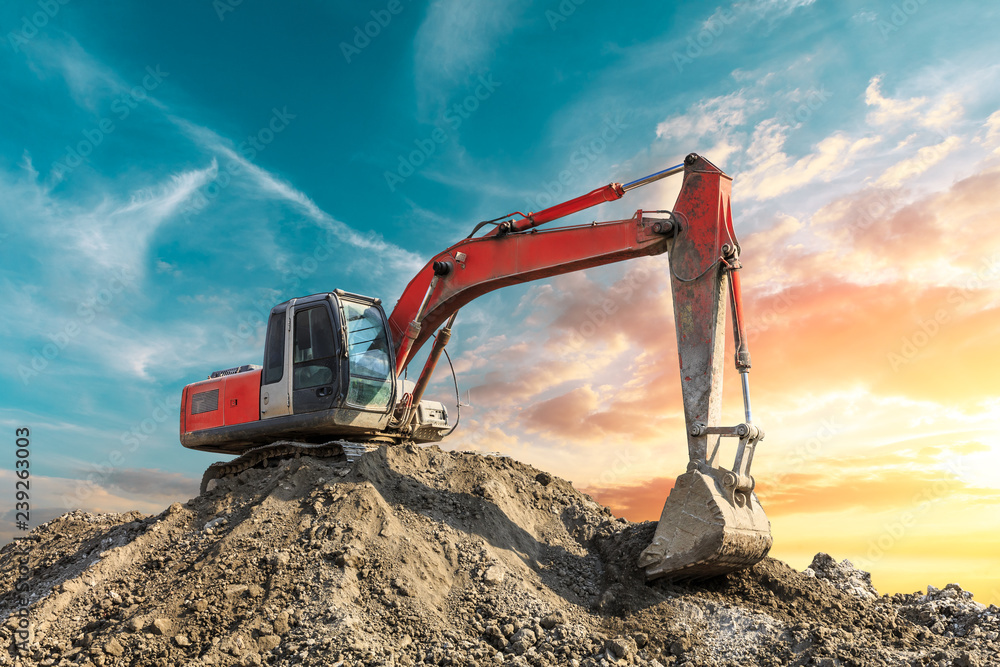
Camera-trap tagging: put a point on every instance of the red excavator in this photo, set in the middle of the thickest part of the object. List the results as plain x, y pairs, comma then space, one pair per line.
333, 381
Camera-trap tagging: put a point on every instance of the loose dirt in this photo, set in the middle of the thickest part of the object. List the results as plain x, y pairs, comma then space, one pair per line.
419, 556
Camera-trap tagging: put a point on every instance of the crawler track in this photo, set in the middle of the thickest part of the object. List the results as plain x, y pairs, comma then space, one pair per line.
341, 450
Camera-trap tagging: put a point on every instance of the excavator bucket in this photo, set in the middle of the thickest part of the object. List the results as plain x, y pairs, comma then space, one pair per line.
705, 530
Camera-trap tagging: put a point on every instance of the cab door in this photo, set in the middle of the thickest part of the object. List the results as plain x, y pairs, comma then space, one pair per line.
316, 357
275, 383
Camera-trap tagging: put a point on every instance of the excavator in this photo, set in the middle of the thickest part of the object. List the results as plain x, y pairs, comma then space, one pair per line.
333, 380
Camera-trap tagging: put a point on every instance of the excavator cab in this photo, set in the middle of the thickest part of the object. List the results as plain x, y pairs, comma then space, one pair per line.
327, 373
336, 349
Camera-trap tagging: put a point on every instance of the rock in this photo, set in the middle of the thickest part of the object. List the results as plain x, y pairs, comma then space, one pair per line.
114, 648
235, 590
268, 643
404, 587
281, 623
161, 626
843, 576
493, 575
680, 646
622, 648
218, 521
522, 640
526, 635
182, 640
543, 478
553, 619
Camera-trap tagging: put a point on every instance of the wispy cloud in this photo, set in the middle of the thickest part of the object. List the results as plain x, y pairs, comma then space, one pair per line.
913, 110
457, 41
86, 241
376, 252
716, 125
774, 173
913, 166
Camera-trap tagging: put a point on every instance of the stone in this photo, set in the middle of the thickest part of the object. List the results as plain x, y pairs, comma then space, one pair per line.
161, 626
494, 575
268, 643
553, 619
235, 590
114, 648
622, 648
281, 623
543, 478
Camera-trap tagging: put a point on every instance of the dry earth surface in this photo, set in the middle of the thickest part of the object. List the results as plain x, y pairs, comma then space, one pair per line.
420, 556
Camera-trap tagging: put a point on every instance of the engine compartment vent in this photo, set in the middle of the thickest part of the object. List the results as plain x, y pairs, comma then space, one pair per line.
205, 401
233, 371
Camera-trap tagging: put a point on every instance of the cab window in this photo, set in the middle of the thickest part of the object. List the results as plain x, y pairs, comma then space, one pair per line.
368, 351
274, 355
314, 353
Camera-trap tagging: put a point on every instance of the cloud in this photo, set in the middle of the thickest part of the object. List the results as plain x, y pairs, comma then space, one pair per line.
717, 120
88, 81
456, 42
376, 254
774, 173
152, 483
878, 229
925, 158
887, 110
992, 138
566, 414
709, 117
782, 7
771, 11
635, 502
113, 234
131, 489
895, 112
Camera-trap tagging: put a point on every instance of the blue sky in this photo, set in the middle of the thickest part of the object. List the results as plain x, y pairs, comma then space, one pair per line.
170, 170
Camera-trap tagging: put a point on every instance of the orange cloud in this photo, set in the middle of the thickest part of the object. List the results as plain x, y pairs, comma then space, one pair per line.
636, 502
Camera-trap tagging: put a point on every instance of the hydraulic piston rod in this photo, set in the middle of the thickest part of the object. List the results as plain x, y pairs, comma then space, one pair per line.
609, 192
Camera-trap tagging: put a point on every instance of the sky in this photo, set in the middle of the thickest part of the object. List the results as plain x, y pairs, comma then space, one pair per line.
171, 170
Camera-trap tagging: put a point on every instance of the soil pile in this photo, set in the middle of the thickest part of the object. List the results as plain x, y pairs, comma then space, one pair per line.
419, 556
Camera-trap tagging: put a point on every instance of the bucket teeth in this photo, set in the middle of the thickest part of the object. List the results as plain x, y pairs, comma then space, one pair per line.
706, 531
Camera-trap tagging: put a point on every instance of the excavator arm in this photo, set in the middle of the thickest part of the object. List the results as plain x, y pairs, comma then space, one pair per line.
712, 522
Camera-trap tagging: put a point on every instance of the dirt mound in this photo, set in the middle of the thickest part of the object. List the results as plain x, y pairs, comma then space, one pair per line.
419, 556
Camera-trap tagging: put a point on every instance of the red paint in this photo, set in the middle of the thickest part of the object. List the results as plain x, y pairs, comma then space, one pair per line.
609, 192
208, 419
239, 402
244, 389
